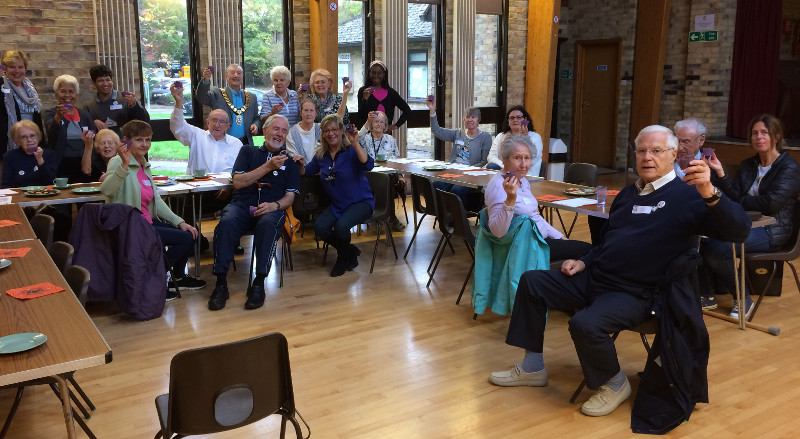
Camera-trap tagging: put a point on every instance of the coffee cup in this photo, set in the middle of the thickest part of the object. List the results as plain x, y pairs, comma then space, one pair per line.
199, 173
380, 157
32, 149
253, 210
212, 69
708, 152
61, 182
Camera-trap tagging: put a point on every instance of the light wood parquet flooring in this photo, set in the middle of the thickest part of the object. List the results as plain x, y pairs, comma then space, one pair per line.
381, 356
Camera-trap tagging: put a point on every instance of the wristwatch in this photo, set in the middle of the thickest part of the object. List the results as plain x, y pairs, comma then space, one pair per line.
279, 204
716, 196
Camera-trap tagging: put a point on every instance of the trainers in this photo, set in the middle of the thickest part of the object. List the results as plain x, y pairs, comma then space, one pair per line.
605, 400
171, 294
397, 226
735, 311
190, 283
518, 377
708, 302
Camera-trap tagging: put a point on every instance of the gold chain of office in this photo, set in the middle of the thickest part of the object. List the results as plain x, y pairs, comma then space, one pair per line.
237, 111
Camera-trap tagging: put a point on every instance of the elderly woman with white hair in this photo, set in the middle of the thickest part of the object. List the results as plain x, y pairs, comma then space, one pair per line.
513, 237
281, 100
69, 132
327, 102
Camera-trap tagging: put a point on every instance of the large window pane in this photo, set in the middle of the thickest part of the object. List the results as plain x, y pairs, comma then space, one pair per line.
164, 31
262, 31
351, 47
486, 58
421, 55
420, 143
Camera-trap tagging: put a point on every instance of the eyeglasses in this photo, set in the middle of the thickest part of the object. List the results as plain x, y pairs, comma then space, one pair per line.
29, 137
516, 117
331, 130
653, 151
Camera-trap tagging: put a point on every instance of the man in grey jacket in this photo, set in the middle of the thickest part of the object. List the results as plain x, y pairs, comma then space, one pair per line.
241, 105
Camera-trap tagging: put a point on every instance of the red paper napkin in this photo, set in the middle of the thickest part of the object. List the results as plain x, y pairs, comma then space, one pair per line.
550, 198
612, 193
34, 291
451, 175
14, 252
4, 223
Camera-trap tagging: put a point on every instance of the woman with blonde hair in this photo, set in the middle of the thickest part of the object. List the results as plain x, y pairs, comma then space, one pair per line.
341, 163
106, 143
327, 102
20, 100
281, 100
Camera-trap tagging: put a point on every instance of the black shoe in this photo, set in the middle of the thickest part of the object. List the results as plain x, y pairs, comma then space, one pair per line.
190, 283
339, 267
172, 294
255, 296
352, 257
239, 250
218, 298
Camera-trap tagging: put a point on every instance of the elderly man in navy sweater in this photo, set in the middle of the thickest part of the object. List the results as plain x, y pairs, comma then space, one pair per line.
651, 223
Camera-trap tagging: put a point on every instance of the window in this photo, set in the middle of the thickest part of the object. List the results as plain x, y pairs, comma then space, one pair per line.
164, 32
354, 40
418, 77
263, 32
421, 53
487, 32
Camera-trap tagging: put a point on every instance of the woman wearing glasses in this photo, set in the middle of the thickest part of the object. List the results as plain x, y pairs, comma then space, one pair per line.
327, 102
517, 122
341, 162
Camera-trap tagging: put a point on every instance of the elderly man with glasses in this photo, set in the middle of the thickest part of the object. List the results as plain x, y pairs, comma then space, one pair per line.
691, 134
652, 225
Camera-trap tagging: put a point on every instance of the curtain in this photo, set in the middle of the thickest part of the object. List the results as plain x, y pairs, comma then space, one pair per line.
754, 74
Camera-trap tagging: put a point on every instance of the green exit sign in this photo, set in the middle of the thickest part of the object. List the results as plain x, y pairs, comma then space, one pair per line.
703, 36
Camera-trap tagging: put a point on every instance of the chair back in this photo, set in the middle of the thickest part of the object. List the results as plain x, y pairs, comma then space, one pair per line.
43, 226
791, 250
222, 387
381, 190
78, 278
311, 199
454, 210
581, 173
61, 252
423, 195
543, 170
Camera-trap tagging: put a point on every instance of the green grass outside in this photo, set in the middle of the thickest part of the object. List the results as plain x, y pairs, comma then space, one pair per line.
168, 150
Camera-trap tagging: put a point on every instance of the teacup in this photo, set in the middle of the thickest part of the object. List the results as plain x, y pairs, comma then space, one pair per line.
253, 210
61, 182
200, 173
212, 69
32, 149
380, 157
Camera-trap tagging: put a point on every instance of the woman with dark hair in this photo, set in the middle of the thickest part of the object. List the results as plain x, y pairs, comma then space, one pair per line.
341, 162
768, 183
20, 100
70, 131
518, 121
380, 97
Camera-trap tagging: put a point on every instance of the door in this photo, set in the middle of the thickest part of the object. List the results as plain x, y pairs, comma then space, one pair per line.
596, 102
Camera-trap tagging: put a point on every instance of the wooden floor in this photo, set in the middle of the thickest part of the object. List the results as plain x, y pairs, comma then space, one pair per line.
381, 356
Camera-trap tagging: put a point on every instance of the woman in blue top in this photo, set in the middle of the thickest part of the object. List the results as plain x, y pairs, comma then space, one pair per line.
341, 163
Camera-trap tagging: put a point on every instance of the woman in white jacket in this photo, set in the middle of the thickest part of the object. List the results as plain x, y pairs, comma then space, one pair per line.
517, 122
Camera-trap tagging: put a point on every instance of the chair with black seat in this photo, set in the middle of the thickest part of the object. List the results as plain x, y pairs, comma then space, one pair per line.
311, 200
453, 217
543, 170
61, 252
789, 253
648, 327
423, 198
578, 173
78, 280
382, 192
223, 387
43, 227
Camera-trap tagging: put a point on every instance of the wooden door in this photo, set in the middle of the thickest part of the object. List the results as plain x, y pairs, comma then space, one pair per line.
597, 76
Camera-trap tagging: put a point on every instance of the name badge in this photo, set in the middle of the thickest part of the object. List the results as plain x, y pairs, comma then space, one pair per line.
306, 140
115, 106
643, 209
146, 183
6, 90
459, 142
283, 168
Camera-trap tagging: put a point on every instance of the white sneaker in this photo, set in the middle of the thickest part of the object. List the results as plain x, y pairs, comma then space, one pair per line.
735, 311
518, 377
605, 400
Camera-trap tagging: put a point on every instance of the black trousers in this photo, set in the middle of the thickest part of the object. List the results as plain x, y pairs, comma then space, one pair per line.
567, 248
597, 314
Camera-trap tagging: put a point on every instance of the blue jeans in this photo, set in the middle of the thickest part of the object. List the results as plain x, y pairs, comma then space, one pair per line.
336, 231
461, 191
493, 166
179, 245
235, 222
718, 255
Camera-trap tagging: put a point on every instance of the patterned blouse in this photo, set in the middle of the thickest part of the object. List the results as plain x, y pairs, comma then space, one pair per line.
329, 105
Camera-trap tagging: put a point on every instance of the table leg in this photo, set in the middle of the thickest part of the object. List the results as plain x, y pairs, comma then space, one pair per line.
196, 218
739, 281
65, 405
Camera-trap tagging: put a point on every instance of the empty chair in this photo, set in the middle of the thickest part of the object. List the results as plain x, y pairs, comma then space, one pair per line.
78, 278
382, 191
219, 388
311, 200
578, 173
43, 226
61, 252
423, 197
453, 219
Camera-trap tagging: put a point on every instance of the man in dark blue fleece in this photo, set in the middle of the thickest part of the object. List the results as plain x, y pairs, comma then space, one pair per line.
651, 223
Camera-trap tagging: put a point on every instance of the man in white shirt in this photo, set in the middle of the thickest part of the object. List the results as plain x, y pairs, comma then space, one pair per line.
211, 149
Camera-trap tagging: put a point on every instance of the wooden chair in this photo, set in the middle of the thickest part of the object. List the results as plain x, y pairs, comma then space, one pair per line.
219, 388
61, 252
578, 173
43, 226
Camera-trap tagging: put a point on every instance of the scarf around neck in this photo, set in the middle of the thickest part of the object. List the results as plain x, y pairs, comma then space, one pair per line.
25, 97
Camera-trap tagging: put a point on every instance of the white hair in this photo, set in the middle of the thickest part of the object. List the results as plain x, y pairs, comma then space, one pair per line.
672, 141
66, 79
269, 120
280, 71
692, 124
511, 141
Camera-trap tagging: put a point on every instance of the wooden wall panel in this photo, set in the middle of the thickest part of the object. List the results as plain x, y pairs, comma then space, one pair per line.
540, 70
652, 27
324, 29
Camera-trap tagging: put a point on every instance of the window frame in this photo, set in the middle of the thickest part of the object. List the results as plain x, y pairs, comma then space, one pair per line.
496, 113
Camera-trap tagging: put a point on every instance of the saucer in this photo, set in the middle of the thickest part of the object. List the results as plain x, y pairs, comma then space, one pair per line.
21, 342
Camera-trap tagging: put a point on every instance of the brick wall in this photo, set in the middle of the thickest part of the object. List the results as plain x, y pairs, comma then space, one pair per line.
58, 37
517, 38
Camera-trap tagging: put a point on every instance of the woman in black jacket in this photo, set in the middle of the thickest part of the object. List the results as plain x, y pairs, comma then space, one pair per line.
70, 131
768, 183
380, 97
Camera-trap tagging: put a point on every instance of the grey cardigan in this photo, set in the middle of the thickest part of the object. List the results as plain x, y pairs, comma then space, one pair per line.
212, 96
478, 147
